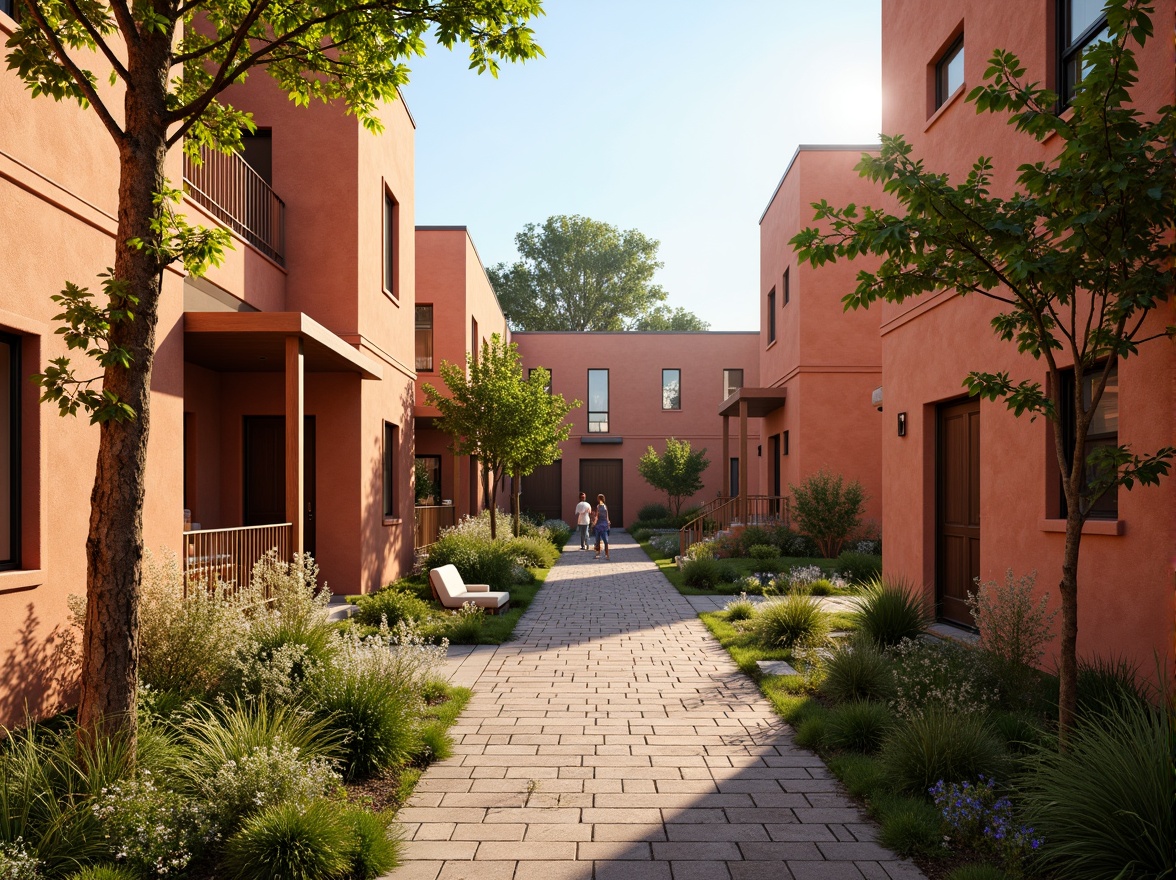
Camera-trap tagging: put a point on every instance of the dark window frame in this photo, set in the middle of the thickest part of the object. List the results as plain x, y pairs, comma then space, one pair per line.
1107, 507
1070, 51
943, 87
10, 8
391, 449
728, 388
786, 288
594, 422
391, 211
417, 328
677, 408
15, 395
771, 316
432, 457
785, 443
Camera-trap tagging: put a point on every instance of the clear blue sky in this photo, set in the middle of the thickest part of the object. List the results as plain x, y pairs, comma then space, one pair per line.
675, 117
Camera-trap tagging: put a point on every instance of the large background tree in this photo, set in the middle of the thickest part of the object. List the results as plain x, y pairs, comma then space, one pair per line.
168, 64
575, 273
1078, 257
513, 425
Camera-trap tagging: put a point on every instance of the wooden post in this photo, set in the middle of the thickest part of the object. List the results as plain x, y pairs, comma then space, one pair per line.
295, 424
743, 461
726, 457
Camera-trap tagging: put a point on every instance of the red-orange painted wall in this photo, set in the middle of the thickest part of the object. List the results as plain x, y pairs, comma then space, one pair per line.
928, 345
635, 362
827, 360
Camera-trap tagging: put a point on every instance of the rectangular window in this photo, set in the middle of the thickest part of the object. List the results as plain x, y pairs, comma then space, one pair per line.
1081, 24
787, 292
391, 448
428, 479
424, 338
949, 72
785, 442
732, 382
671, 389
10, 391
1104, 431
474, 350
390, 237
598, 401
257, 149
8, 7
772, 315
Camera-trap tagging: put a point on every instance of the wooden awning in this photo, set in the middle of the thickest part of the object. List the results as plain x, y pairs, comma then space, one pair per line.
760, 402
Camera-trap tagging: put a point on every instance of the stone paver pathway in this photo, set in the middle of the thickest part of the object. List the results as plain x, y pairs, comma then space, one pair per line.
616, 739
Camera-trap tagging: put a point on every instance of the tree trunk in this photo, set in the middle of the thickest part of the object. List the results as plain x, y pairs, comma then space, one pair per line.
1068, 650
486, 484
516, 490
114, 546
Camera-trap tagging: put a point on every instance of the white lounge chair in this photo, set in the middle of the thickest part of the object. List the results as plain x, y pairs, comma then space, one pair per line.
452, 592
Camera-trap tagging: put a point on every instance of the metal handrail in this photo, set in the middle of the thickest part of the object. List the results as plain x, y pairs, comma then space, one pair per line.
227, 556
235, 194
720, 514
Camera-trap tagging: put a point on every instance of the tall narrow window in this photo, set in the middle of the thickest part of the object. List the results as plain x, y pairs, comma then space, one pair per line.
390, 218
772, 315
257, 149
474, 348
787, 292
598, 401
785, 442
10, 389
949, 72
732, 382
671, 389
1081, 24
1103, 432
391, 449
428, 479
424, 338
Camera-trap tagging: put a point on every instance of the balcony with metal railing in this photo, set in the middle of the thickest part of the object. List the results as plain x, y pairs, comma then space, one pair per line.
228, 188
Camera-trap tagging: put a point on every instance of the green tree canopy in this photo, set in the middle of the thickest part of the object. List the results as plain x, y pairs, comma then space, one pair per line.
576, 273
662, 318
168, 64
828, 510
1079, 256
677, 471
513, 425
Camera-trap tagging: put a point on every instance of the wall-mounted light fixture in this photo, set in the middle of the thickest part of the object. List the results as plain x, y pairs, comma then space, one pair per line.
902, 424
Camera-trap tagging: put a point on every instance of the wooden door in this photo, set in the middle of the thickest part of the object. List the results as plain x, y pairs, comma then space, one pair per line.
543, 492
603, 476
957, 509
264, 478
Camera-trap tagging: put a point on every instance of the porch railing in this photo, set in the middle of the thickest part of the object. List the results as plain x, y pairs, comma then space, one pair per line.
430, 520
237, 196
228, 555
721, 514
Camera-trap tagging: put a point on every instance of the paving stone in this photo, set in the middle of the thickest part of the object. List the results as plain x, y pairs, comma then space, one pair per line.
776, 667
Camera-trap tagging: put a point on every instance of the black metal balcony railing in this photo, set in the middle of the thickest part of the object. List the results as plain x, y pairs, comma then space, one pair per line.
237, 196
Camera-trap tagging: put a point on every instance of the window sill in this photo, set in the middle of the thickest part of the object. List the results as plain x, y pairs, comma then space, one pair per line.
395, 299
392, 521
942, 108
771, 345
21, 579
1090, 527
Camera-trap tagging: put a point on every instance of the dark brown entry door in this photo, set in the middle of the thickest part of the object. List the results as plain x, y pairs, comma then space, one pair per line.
957, 509
603, 476
265, 474
543, 491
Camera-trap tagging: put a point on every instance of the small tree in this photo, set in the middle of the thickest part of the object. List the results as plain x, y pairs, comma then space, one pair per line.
511, 424
828, 510
1078, 257
677, 471
423, 483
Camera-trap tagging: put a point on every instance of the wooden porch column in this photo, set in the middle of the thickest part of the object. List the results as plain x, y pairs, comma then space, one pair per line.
726, 457
743, 460
458, 495
295, 422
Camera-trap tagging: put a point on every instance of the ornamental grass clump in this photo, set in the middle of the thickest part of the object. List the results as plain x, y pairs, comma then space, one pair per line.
464, 625
976, 816
792, 620
479, 560
1108, 686
891, 610
391, 605
740, 609
859, 568
856, 670
941, 744
373, 849
859, 726
533, 552
703, 573
291, 842
93, 872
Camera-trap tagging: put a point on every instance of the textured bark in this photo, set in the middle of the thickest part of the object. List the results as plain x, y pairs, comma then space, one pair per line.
114, 546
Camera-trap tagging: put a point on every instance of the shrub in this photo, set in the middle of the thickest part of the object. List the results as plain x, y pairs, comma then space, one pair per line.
1018, 733
859, 568
857, 670
938, 744
763, 551
740, 609
479, 560
931, 672
977, 817
810, 732
729, 572
281, 655
290, 589
821, 587
909, 825
704, 573
372, 851
187, 643
1105, 805
391, 605
371, 696
18, 863
463, 626
783, 623
1108, 686
98, 872
1014, 630
653, 511
534, 552
754, 536
858, 726
977, 872
828, 510
792, 543
890, 611
701, 550
558, 532
291, 842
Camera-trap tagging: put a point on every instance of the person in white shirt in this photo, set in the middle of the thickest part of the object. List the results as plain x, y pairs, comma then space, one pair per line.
583, 519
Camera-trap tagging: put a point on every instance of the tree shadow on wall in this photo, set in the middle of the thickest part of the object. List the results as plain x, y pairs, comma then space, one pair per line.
39, 671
